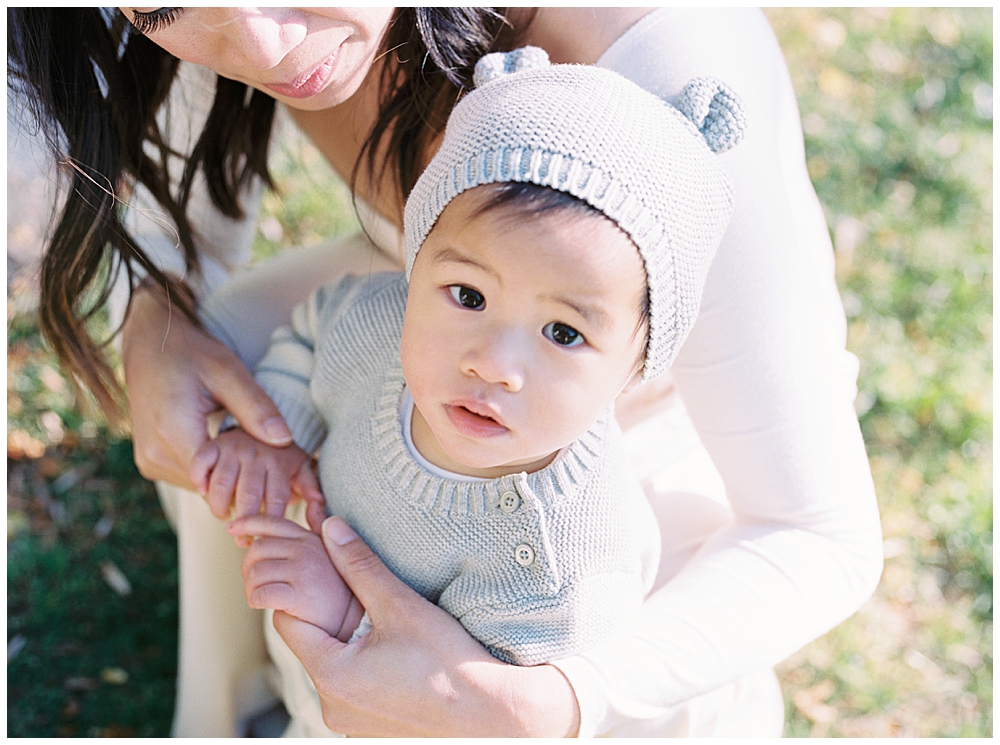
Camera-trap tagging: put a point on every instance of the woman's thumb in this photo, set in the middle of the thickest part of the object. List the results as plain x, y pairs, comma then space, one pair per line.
234, 387
311, 644
370, 580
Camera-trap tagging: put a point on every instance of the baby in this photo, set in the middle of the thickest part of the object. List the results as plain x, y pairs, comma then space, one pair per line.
557, 248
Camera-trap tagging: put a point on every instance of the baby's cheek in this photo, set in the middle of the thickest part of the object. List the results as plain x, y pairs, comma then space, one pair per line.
567, 418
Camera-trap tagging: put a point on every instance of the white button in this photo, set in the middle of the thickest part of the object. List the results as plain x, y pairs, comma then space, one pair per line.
524, 554
509, 501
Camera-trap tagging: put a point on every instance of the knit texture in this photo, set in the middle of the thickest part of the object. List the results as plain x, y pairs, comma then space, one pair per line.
536, 566
591, 133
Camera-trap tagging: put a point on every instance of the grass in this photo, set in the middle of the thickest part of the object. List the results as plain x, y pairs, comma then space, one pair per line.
897, 115
87, 656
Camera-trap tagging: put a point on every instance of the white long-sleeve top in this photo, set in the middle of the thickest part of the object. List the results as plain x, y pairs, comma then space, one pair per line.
769, 387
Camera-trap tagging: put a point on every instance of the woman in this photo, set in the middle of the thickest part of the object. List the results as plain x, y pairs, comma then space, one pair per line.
790, 549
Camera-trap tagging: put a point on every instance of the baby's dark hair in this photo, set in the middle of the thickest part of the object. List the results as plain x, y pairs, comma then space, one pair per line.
531, 200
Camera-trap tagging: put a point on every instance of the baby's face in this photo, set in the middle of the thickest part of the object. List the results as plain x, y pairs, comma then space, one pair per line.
519, 332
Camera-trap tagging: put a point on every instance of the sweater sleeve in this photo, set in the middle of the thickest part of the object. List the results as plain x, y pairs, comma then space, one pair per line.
770, 389
286, 370
543, 629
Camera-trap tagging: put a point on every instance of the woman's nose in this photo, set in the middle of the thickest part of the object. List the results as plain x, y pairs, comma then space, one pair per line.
259, 38
498, 359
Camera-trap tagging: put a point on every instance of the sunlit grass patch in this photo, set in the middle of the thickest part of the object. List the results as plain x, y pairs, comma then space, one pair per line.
897, 115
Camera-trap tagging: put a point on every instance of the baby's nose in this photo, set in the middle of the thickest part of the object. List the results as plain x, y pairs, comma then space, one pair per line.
498, 360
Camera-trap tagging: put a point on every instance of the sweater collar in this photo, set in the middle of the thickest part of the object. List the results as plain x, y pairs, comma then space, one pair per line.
560, 480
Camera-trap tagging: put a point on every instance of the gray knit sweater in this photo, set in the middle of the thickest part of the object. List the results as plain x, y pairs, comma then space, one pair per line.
536, 566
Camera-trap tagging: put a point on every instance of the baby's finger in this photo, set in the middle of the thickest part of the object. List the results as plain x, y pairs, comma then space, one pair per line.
316, 513
305, 481
264, 525
277, 492
263, 571
201, 466
268, 549
306, 484
250, 488
277, 595
221, 487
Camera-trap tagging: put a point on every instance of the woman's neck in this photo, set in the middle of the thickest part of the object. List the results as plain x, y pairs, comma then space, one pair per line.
340, 133
579, 35
569, 35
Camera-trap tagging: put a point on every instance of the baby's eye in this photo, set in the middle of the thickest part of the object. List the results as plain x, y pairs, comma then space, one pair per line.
561, 334
467, 297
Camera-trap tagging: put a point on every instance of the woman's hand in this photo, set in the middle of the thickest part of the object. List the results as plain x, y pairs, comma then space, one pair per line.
176, 376
419, 673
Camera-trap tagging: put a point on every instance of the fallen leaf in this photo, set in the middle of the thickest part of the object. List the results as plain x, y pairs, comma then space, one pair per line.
102, 529
114, 676
14, 647
80, 683
115, 578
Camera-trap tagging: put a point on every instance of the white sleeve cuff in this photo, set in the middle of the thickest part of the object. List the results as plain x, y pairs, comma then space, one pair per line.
588, 687
363, 629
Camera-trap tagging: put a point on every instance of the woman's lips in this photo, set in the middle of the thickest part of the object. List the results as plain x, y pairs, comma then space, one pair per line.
309, 84
473, 424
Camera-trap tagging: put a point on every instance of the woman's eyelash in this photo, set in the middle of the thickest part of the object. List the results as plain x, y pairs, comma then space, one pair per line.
149, 23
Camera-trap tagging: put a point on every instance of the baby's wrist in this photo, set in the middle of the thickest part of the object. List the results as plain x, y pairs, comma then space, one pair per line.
354, 620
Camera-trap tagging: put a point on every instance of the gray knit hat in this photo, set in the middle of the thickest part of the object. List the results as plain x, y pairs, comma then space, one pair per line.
649, 166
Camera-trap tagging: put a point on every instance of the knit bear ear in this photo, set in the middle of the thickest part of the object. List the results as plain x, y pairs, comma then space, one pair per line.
497, 64
715, 110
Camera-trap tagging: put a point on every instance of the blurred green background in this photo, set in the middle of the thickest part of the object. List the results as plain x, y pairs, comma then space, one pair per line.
897, 113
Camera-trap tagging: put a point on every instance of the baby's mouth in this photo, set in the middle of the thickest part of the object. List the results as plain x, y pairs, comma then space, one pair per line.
474, 420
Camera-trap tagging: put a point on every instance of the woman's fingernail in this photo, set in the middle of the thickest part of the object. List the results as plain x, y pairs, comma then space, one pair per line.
337, 531
277, 431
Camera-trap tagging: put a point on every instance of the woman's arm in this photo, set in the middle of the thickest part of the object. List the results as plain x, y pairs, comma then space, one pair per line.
176, 374
770, 389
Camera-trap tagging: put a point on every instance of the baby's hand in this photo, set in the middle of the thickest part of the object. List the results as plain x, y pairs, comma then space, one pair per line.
287, 568
239, 474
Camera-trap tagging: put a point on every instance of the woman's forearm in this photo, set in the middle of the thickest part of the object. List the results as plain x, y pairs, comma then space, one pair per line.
753, 596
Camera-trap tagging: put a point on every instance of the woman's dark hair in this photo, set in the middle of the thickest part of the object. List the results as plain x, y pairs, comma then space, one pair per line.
94, 86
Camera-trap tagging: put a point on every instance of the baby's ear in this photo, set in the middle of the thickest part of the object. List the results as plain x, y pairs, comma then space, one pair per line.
499, 64
715, 110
